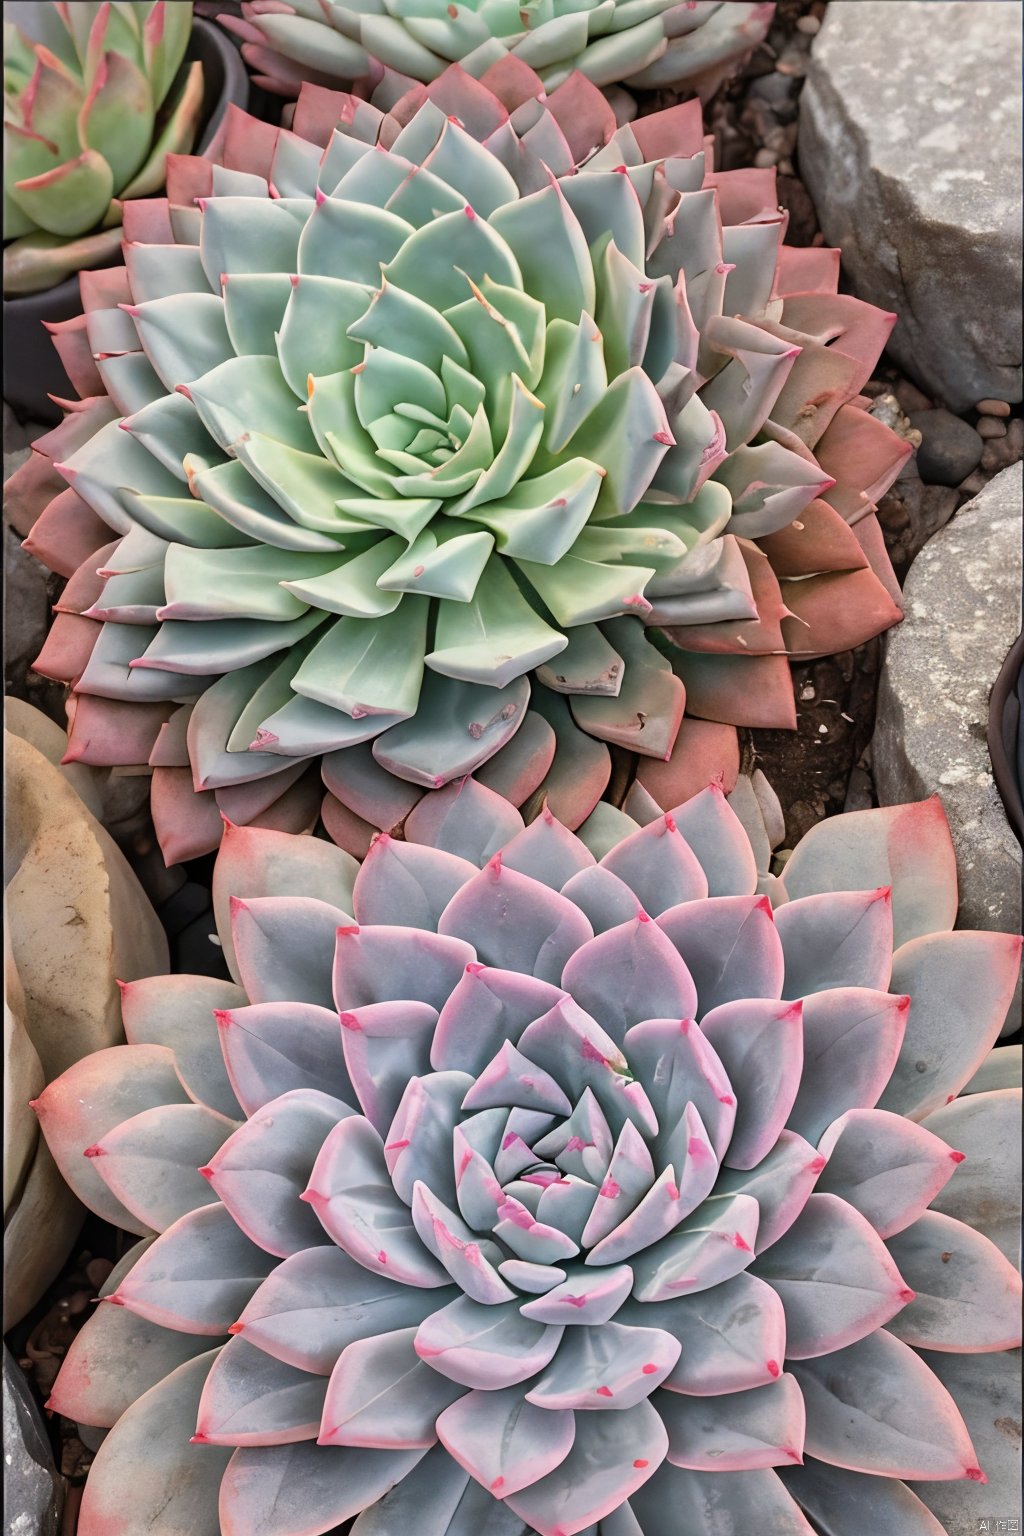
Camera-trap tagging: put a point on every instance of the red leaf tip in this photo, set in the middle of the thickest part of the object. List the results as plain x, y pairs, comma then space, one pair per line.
958, 1157
642, 916
347, 931
199, 1438
223, 1017
907, 1295
236, 1327
774, 1368
206, 1171
975, 1474
94, 1151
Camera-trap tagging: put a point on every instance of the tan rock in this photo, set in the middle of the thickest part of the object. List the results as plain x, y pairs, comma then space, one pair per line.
23, 1080
77, 921
78, 918
21, 719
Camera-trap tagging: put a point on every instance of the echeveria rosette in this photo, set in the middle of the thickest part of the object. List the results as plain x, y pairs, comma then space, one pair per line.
543, 1189
641, 43
92, 107
434, 434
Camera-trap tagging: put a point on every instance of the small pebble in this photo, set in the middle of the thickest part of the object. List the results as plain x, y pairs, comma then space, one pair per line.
765, 158
808, 25
950, 448
774, 88
1001, 452
992, 408
990, 426
974, 484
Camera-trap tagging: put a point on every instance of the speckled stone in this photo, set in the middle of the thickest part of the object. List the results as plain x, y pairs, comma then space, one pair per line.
33, 1492
963, 604
910, 145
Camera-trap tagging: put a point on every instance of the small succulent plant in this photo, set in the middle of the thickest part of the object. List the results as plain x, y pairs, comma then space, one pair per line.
89, 119
416, 438
643, 43
538, 1189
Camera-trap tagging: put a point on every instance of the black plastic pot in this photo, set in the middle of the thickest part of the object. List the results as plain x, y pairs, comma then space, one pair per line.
1006, 736
32, 369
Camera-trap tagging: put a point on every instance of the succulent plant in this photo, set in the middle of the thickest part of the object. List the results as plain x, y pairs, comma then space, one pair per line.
538, 1189
643, 43
404, 442
91, 111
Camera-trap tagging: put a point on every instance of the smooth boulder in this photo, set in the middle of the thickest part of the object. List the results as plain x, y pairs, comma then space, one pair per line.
76, 922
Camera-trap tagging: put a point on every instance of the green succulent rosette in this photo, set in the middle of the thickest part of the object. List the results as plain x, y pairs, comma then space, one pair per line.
471, 435
92, 107
645, 43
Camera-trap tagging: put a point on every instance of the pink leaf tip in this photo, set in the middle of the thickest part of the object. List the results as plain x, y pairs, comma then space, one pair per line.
906, 1295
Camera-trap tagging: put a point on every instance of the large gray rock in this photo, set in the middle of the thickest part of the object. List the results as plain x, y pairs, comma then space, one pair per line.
910, 145
33, 1492
963, 605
